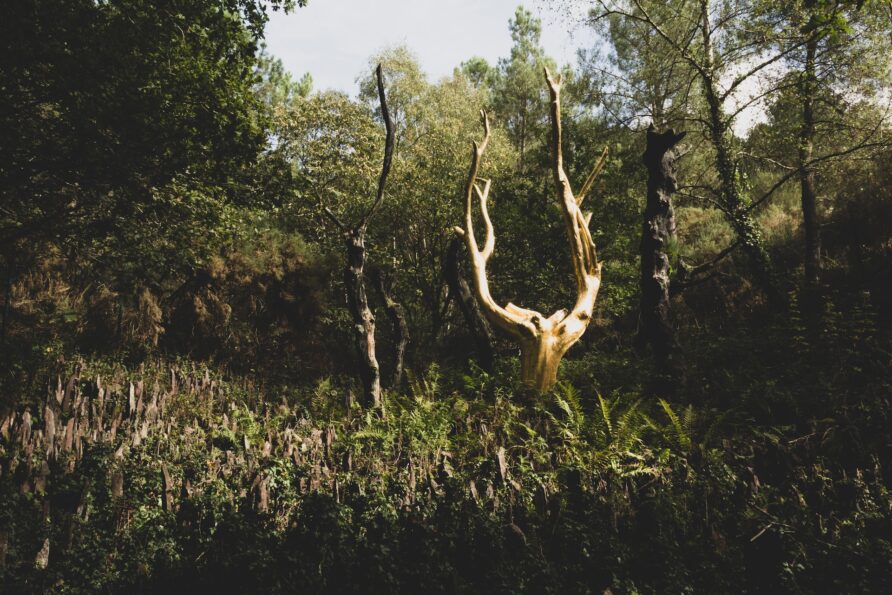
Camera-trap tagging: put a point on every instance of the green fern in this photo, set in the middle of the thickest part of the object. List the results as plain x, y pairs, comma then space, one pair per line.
605, 416
629, 427
679, 429
689, 422
373, 434
571, 396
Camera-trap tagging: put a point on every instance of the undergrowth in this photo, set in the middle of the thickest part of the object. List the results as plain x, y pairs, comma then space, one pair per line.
172, 478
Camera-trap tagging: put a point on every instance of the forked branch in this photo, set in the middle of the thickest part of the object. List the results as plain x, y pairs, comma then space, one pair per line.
543, 341
582, 246
497, 315
354, 275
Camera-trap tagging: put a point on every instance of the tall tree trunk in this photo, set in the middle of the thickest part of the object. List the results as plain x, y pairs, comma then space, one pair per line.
730, 195
363, 319
354, 275
734, 209
657, 234
397, 318
811, 224
540, 357
470, 309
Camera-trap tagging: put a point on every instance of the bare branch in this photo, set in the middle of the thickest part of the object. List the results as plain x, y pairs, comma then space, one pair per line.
388, 149
497, 315
543, 341
592, 176
699, 269
476, 157
489, 243
334, 219
773, 162
829, 156
328, 212
582, 246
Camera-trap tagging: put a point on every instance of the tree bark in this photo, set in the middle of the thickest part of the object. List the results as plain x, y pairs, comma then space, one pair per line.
354, 275
363, 319
730, 195
811, 224
397, 318
734, 210
470, 309
658, 233
540, 357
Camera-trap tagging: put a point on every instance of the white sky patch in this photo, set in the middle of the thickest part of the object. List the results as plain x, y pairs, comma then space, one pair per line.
334, 39
757, 84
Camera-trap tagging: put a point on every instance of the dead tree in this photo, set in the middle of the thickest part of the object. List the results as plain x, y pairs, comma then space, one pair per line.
397, 317
543, 341
354, 271
467, 304
657, 237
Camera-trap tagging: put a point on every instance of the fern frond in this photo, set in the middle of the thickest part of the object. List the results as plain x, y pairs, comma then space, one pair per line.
563, 406
629, 426
689, 421
678, 430
372, 434
714, 426
605, 416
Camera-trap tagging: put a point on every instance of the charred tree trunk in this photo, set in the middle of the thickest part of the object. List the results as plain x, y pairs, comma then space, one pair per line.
363, 319
657, 236
470, 309
397, 318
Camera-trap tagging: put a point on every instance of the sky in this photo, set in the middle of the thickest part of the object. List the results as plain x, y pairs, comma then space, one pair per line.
334, 39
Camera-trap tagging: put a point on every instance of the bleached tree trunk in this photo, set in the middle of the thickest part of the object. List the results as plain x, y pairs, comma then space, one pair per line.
543, 341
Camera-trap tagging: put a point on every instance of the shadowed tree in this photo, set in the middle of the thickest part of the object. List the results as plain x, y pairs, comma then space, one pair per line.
354, 271
841, 45
467, 304
721, 41
657, 241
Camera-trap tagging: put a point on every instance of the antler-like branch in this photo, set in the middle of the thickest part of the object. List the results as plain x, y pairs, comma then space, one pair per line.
512, 323
543, 341
582, 247
388, 149
490, 243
